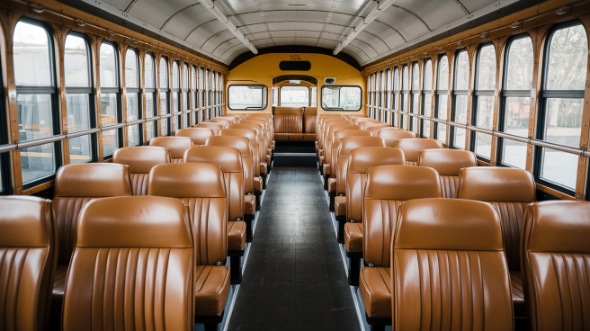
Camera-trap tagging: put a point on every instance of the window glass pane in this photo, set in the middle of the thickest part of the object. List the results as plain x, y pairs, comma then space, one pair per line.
76, 62
186, 73
462, 71
426, 128
427, 104
80, 149
395, 105
563, 121
175, 75
175, 102
514, 153
133, 135
149, 105
37, 162
34, 116
459, 138
247, 96
442, 106
163, 73
108, 66
443, 73
164, 104
131, 69
461, 109
110, 141
405, 78
415, 77
78, 106
441, 133
483, 144
149, 72
415, 98
568, 56
486, 68
341, 97
109, 108
294, 96
516, 118
427, 83
150, 129
132, 106
32, 56
485, 112
519, 71
559, 167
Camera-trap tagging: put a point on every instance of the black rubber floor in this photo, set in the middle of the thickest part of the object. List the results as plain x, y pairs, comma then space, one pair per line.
294, 278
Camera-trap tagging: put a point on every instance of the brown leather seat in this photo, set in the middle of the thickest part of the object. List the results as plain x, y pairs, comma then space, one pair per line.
387, 188
310, 116
75, 186
447, 267
176, 146
510, 191
392, 137
140, 160
288, 123
555, 255
198, 135
259, 147
323, 133
230, 161
266, 142
201, 187
27, 262
223, 121
375, 128
119, 239
448, 163
412, 148
213, 126
328, 147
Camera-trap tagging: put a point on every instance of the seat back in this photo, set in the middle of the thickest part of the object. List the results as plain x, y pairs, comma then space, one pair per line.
252, 141
347, 144
386, 189
448, 163
376, 128
361, 159
140, 160
288, 120
266, 141
230, 161
447, 267
329, 121
176, 146
213, 126
392, 137
412, 148
118, 240
310, 117
510, 190
336, 139
76, 185
555, 256
198, 135
27, 262
201, 187
258, 144
245, 148
329, 147
223, 121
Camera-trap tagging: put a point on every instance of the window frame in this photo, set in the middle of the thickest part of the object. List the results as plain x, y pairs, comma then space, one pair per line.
340, 109
477, 93
135, 90
455, 95
424, 94
264, 98
112, 90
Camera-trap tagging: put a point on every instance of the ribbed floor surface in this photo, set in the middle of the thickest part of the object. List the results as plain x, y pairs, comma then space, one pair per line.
294, 279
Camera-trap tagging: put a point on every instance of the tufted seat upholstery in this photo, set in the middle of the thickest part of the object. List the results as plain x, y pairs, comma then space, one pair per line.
198, 135
412, 148
75, 186
556, 268
230, 161
391, 137
132, 267
201, 187
510, 191
447, 267
176, 146
140, 160
288, 123
448, 164
309, 123
387, 188
27, 262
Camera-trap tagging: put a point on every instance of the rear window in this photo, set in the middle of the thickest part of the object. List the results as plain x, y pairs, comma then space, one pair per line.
247, 97
343, 98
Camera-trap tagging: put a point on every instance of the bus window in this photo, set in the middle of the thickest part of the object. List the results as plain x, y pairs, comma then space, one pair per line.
109, 83
485, 87
176, 96
516, 98
346, 98
404, 97
247, 97
562, 103
294, 96
132, 71
150, 97
442, 86
395, 98
79, 96
461, 87
415, 96
164, 97
426, 98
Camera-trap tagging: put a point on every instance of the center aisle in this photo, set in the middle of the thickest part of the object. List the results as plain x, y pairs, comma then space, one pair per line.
294, 279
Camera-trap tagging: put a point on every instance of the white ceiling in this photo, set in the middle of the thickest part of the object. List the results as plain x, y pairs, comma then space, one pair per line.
260, 24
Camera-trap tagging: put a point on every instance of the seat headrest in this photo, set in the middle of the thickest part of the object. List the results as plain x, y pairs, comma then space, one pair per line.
558, 226
94, 180
347, 144
339, 134
496, 184
228, 158
448, 162
395, 134
134, 222
242, 144
25, 221
197, 135
399, 182
288, 110
224, 122
243, 132
413, 146
215, 127
448, 224
362, 158
342, 126
311, 110
367, 125
187, 180
176, 145
141, 159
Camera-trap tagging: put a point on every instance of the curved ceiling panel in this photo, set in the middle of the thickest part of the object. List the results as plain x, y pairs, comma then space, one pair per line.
367, 30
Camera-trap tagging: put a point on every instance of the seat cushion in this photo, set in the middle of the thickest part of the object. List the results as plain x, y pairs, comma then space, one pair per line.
211, 289
326, 169
353, 237
375, 288
332, 185
517, 293
258, 184
263, 168
236, 235
249, 204
340, 205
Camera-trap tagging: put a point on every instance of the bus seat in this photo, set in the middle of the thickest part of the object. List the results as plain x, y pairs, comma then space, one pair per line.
140, 160
198, 135
213, 126
436, 242
412, 148
392, 137
448, 163
288, 123
176, 146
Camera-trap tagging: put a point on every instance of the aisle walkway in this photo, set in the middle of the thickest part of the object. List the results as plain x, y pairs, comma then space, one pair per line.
294, 278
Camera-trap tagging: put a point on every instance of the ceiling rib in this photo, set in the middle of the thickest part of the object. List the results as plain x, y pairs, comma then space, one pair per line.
368, 19
216, 11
